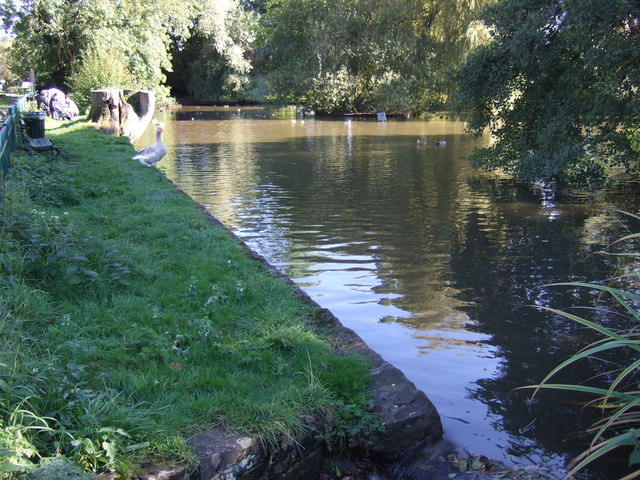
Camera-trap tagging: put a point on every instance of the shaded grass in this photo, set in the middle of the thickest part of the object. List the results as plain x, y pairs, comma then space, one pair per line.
129, 320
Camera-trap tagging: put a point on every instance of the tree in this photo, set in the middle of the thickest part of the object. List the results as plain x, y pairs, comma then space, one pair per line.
96, 43
49, 36
556, 87
215, 62
6, 73
455, 31
350, 55
360, 55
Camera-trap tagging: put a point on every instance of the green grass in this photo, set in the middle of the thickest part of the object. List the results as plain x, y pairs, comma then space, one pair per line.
129, 322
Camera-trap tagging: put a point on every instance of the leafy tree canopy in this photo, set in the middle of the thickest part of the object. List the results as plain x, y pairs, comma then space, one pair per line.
5, 72
362, 55
393, 55
96, 43
215, 63
557, 88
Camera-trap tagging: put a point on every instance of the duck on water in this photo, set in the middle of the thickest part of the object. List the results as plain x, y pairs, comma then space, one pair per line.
422, 142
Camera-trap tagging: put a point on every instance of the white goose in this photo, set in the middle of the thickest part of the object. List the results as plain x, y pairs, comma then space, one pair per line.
152, 154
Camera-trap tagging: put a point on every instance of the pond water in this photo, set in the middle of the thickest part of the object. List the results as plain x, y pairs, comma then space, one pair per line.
434, 264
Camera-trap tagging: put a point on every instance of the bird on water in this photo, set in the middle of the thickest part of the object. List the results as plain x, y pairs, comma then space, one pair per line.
152, 154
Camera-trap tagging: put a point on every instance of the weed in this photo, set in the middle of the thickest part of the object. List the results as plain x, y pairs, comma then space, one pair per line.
43, 248
48, 182
618, 400
57, 468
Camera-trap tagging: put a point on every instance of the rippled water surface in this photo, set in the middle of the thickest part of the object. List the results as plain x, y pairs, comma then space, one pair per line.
432, 263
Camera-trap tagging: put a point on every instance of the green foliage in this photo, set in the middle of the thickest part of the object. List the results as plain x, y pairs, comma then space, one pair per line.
364, 56
345, 55
556, 87
336, 57
46, 182
334, 91
57, 468
214, 64
618, 400
634, 139
15, 449
5, 72
50, 34
100, 453
350, 420
210, 77
42, 247
104, 67
97, 43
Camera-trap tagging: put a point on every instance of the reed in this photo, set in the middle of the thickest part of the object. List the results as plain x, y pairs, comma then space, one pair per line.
618, 402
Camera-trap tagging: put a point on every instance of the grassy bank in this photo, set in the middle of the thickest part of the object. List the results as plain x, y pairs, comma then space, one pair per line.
128, 322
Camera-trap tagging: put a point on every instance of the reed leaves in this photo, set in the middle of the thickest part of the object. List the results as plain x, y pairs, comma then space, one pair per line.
619, 401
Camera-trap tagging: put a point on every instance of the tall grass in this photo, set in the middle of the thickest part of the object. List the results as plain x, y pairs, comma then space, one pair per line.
618, 402
129, 323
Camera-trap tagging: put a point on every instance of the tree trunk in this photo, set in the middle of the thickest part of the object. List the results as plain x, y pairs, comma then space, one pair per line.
105, 110
116, 116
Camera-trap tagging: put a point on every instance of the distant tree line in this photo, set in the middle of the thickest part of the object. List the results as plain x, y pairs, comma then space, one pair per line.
554, 81
333, 55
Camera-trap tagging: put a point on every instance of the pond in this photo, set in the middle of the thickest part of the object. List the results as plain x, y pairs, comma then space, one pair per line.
436, 265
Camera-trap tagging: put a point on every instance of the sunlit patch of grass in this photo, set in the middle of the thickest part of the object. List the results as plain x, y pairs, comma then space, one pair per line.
163, 328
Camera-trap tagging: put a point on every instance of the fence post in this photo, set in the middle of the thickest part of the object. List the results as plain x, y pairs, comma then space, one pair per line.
8, 135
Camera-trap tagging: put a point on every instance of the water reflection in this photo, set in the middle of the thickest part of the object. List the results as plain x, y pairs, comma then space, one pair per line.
433, 264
